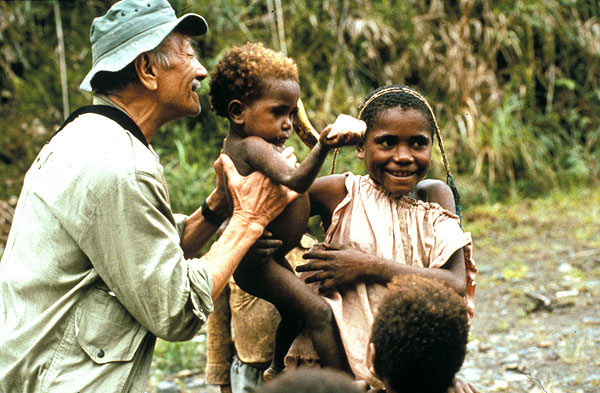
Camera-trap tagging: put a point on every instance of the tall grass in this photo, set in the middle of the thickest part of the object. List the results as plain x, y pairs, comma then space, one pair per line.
514, 83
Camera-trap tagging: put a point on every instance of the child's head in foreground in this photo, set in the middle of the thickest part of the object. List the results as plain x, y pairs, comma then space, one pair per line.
419, 336
310, 380
257, 89
397, 145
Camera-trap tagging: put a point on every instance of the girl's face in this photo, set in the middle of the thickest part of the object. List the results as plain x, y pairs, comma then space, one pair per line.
270, 115
397, 149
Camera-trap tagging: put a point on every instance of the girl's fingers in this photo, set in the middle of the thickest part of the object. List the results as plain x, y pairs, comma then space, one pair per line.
321, 276
311, 267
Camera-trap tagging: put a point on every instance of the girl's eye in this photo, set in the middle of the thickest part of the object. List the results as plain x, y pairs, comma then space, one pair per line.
420, 142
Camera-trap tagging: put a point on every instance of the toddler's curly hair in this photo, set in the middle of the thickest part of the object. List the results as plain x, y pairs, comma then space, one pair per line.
420, 335
239, 74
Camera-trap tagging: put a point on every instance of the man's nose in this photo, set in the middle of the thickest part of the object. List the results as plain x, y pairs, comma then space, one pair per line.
201, 72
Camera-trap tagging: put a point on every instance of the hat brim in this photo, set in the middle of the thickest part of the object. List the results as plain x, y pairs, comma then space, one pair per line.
119, 57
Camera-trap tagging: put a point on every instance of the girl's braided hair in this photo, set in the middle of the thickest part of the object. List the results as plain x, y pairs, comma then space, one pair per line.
393, 96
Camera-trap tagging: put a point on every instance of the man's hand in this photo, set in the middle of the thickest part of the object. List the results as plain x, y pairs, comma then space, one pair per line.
217, 200
256, 199
290, 157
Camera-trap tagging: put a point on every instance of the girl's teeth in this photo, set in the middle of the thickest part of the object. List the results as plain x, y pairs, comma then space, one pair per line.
401, 174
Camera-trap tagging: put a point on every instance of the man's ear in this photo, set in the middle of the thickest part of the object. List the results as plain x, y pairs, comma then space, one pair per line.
360, 149
147, 71
236, 110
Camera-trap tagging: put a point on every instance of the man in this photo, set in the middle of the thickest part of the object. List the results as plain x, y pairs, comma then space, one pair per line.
95, 265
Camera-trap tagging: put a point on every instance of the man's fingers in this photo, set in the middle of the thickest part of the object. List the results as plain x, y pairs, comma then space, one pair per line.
228, 168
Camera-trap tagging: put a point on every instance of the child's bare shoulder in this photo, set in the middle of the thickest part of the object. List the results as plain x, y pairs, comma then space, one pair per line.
433, 190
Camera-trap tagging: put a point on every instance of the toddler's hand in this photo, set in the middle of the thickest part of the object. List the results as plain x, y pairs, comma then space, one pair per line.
346, 130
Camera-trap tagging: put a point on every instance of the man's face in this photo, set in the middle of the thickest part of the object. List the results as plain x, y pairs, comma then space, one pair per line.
177, 84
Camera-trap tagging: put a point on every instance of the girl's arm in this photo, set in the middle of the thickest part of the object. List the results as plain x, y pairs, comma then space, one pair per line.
338, 266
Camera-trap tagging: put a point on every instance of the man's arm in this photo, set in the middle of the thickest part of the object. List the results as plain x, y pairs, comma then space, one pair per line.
136, 250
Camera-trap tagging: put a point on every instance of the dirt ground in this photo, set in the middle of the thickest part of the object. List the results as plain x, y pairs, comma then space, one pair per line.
537, 321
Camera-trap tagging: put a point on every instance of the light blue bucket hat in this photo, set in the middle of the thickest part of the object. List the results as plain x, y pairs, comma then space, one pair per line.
131, 27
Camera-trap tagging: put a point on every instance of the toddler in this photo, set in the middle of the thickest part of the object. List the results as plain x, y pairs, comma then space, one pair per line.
257, 90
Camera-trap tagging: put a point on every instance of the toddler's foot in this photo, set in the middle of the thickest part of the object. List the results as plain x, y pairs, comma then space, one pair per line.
270, 373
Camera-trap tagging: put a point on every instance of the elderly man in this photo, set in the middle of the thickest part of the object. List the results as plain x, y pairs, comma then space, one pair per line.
96, 265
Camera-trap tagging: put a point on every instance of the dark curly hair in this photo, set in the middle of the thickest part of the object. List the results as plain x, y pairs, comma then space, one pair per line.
239, 73
394, 96
310, 380
420, 335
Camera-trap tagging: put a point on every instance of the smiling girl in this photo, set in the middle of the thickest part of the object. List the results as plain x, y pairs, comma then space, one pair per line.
386, 223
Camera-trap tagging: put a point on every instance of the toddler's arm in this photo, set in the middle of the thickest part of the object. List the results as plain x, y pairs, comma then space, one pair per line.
263, 157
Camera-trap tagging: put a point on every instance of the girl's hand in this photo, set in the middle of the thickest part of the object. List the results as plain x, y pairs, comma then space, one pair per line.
336, 265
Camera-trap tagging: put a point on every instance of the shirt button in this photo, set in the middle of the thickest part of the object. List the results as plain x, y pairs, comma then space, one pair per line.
100, 353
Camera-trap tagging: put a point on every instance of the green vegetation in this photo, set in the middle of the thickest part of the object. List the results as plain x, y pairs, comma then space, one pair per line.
515, 83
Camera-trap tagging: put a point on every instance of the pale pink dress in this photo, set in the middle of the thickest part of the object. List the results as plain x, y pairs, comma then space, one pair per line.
399, 229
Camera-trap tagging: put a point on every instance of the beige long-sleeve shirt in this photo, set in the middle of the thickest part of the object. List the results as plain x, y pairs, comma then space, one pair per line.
93, 271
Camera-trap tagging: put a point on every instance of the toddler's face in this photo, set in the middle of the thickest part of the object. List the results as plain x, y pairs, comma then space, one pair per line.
270, 115
397, 149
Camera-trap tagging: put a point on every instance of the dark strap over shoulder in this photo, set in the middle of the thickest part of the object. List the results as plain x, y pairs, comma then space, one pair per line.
112, 113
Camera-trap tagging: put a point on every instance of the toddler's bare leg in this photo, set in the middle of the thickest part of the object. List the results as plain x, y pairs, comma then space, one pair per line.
281, 287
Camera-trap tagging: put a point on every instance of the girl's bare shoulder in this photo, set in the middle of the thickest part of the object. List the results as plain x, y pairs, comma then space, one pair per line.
436, 191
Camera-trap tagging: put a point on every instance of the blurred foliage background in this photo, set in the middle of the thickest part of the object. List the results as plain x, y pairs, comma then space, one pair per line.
514, 83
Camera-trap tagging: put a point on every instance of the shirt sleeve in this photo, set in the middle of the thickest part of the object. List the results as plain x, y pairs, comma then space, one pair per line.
132, 240
220, 344
180, 223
